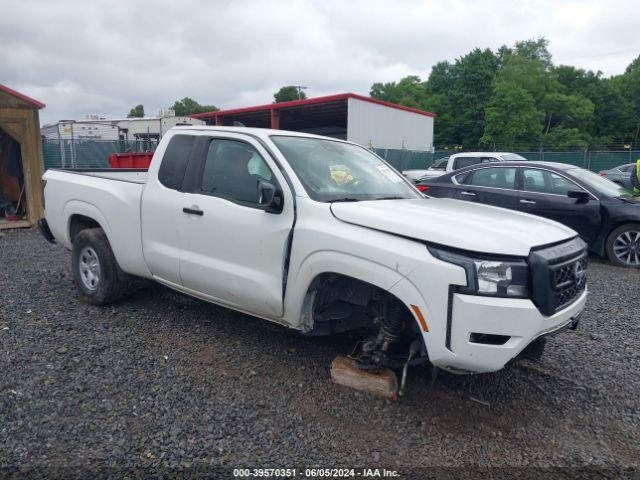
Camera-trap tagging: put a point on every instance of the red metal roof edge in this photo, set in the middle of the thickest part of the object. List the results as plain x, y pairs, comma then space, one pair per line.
22, 96
310, 101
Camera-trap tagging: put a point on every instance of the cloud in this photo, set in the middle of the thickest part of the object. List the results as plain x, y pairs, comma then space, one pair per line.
106, 56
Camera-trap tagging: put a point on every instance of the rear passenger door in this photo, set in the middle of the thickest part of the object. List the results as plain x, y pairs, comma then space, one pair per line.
544, 193
489, 185
161, 209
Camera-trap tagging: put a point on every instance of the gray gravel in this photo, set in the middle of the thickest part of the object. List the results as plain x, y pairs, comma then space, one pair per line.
163, 380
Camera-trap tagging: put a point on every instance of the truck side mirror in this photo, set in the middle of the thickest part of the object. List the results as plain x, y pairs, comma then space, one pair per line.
269, 197
580, 195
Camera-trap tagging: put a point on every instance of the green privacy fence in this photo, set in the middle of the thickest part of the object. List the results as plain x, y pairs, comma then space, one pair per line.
95, 154
88, 153
592, 160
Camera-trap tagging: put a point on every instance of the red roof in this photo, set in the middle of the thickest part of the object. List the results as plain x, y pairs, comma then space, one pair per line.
21, 96
309, 101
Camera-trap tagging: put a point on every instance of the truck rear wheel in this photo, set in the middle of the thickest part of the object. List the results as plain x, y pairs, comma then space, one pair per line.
95, 269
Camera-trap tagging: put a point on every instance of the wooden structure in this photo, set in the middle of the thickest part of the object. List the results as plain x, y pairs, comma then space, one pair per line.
383, 383
20, 128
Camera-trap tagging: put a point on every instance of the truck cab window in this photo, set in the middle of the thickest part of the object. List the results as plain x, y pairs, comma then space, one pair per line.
232, 170
462, 162
175, 160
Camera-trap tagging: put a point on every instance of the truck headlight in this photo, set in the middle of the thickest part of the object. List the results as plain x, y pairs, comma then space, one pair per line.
490, 276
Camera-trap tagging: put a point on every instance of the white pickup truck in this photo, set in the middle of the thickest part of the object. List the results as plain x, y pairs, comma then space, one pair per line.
322, 236
458, 161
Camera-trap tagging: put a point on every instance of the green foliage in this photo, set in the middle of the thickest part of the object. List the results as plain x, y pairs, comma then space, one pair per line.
561, 138
289, 93
136, 112
511, 117
517, 95
408, 92
188, 106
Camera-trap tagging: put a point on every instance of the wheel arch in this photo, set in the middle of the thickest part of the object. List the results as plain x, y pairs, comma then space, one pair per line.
81, 215
314, 272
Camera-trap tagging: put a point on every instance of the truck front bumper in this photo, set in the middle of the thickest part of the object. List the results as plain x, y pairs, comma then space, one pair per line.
478, 323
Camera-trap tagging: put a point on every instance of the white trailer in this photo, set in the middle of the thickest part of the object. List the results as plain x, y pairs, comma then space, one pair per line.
151, 127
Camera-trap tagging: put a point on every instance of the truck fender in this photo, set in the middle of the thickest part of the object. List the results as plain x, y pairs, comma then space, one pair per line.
323, 262
78, 207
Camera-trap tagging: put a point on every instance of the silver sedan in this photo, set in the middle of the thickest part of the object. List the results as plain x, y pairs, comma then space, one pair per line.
620, 175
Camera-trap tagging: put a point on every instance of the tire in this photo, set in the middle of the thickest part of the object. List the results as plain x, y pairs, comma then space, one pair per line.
95, 269
623, 246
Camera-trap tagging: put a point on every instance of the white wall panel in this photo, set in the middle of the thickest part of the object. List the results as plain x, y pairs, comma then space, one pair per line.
388, 127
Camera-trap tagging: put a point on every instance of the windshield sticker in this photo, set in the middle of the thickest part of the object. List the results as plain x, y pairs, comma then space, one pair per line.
387, 172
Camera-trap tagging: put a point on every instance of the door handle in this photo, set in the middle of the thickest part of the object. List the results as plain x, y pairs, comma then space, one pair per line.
193, 211
468, 194
527, 202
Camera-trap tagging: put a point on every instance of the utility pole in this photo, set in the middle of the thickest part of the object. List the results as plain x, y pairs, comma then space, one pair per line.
300, 88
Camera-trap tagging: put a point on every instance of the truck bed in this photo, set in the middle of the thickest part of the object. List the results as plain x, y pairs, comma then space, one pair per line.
133, 175
110, 197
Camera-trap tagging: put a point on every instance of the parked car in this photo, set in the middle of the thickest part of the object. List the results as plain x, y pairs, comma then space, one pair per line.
620, 175
605, 214
462, 160
418, 174
320, 235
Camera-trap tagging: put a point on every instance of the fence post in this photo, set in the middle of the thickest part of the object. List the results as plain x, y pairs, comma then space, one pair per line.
589, 160
584, 160
541, 153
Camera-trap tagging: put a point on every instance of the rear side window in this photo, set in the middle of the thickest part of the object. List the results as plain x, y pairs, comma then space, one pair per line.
175, 160
494, 178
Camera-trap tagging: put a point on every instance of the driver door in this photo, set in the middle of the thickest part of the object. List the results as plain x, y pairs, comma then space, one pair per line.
544, 193
233, 251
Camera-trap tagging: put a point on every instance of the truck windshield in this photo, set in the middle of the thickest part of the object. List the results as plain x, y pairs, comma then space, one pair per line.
335, 171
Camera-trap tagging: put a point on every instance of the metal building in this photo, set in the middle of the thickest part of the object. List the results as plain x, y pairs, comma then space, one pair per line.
347, 116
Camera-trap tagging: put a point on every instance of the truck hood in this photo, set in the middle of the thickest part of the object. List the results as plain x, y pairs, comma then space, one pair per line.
456, 224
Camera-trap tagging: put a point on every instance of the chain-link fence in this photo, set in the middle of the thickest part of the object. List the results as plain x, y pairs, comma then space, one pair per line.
591, 160
95, 154
88, 153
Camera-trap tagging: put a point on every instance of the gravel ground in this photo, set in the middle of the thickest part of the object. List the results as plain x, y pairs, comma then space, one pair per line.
163, 380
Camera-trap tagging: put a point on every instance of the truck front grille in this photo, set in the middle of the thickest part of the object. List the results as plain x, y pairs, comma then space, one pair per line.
559, 275
569, 281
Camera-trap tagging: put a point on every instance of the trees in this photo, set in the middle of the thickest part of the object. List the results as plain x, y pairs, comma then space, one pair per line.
511, 117
289, 93
410, 92
188, 106
558, 106
136, 112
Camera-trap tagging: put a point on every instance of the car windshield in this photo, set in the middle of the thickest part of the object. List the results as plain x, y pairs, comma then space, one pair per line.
333, 171
600, 184
512, 157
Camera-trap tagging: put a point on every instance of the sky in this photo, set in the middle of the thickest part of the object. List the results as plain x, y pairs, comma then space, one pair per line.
104, 57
